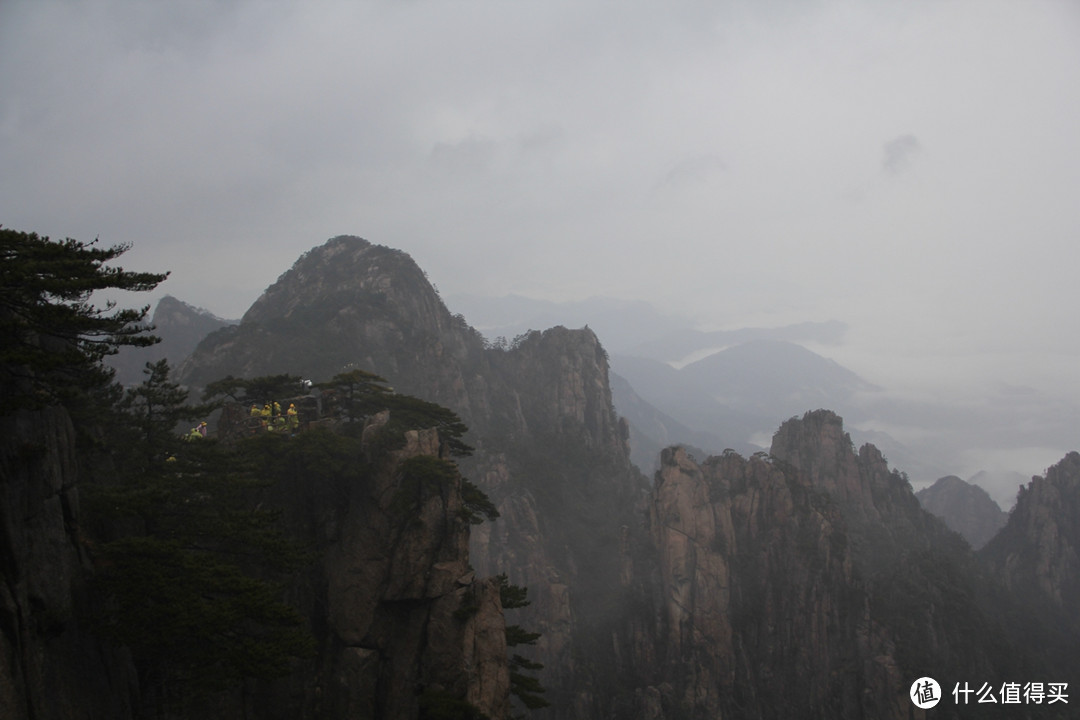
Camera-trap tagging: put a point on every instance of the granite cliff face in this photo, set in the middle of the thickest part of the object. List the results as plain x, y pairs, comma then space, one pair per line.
806, 582
399, 614
965, 508
50, 667
1040, 545
763, 613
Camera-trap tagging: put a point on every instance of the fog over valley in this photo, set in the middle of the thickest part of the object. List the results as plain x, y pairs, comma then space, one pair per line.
962, 419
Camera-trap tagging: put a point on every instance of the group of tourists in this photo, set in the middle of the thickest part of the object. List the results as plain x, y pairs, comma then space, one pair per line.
273, 420
197, 433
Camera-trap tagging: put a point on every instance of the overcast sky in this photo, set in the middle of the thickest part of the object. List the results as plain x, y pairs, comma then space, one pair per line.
910, 168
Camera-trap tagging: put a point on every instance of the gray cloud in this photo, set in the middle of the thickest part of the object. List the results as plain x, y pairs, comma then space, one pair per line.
693, 170
471, 155
899, 153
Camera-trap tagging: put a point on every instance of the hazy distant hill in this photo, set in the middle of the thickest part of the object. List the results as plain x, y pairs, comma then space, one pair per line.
742, 393
652, 430
677, 344
180, 326
773, 377
1002, 486
630, 327
620, 324
965, 508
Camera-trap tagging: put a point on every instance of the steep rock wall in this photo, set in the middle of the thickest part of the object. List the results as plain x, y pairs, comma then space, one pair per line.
50, 667
1040, 545
806, 582
807, 579
398, 611
761, 611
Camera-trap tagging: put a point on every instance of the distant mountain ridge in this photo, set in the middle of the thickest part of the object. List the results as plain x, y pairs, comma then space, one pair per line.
927, 434
631, 327
739, 395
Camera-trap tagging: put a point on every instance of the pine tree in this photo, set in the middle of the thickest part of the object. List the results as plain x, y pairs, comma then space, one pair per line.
149, 414
526, 688
359, 393
52, 338
260, 390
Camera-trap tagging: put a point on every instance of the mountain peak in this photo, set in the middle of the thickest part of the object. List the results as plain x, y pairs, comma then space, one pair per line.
345, 265
965, 508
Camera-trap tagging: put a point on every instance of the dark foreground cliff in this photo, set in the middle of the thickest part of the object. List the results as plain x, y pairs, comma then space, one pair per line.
403, 627
51, 667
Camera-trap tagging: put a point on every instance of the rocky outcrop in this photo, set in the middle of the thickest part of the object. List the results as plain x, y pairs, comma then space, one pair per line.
965, 508
50, 667
351, 304
1040, 545
804, 582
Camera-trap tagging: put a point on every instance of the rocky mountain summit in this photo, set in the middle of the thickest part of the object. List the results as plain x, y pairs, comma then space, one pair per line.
965, 508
